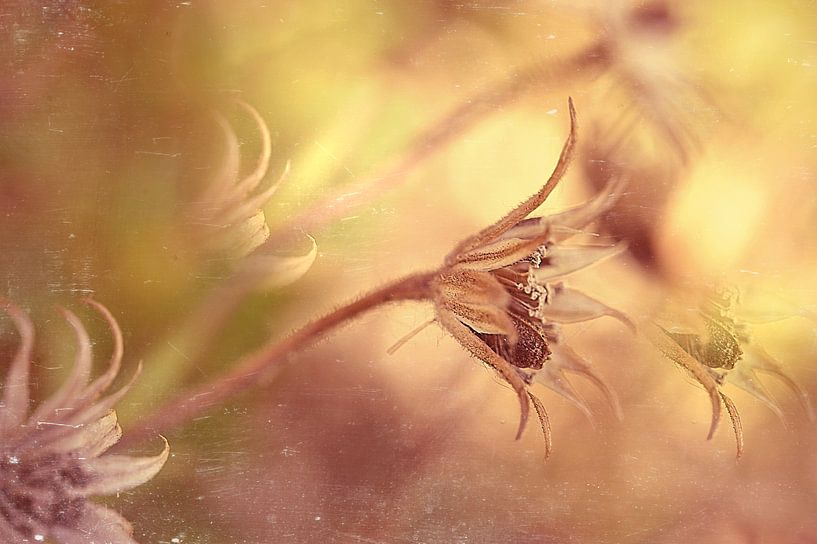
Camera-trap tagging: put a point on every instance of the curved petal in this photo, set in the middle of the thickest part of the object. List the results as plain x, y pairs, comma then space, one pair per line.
675, 353
249, 183
499, 254
571, 221
471, 286
566, 223
227, 173
482, 318
516, 215
92, 439
241, 239
566, 359
566, 305
99, 385
48, 432
111, 474
564, 260
760, 360
276, 271
732, 410
104, 405
477, 299
66, 396
544, 423
484, 353
744, 377
15, 390
553, 378
246, 208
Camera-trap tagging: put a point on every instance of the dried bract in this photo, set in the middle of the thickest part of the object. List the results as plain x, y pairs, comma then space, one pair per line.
52, 458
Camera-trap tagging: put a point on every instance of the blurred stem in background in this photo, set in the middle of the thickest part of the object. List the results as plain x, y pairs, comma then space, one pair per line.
540, 75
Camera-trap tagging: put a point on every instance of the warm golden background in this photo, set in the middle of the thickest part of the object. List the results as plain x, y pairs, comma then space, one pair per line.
707, 107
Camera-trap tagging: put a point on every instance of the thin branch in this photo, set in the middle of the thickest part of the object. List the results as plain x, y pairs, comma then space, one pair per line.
257, 368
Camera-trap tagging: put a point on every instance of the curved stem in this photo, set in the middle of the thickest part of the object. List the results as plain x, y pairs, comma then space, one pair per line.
257, 368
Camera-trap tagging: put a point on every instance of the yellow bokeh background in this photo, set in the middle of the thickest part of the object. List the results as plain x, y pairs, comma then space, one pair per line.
409, 125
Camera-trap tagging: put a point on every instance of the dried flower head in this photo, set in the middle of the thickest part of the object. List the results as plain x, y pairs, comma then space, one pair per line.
53, 460
716, 347
495, 295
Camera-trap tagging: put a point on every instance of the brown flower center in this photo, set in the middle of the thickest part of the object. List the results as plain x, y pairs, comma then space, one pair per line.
39, 492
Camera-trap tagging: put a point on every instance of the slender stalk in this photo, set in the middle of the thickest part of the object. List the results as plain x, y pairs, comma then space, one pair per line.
259, 367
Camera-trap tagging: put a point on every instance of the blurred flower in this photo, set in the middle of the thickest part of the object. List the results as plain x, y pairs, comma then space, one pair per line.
661, 95
651, 118
52, 460
493, 294
227, 233
715, 336
229, 209
229, 220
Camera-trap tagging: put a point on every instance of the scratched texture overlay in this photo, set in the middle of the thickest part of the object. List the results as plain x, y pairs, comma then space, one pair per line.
397, 129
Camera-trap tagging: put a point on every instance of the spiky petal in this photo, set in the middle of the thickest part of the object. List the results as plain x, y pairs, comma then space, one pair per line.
53, 460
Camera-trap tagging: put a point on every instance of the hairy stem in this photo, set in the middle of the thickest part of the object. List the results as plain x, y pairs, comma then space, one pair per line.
257, 368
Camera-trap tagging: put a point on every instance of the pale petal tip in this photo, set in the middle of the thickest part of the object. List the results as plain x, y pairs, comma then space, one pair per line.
544, 423
275, 271
524, 404
736, 424
716, 414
